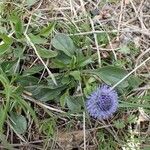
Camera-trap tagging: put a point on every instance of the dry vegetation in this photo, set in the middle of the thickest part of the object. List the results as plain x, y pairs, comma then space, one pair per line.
111, 32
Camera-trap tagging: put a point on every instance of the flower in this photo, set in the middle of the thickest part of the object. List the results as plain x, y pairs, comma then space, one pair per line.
102, 103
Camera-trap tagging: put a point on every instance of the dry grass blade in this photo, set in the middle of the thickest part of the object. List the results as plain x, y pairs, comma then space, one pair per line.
25, 96
96, 42
28, 97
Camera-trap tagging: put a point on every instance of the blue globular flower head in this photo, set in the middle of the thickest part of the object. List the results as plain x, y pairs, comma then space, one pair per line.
102, 103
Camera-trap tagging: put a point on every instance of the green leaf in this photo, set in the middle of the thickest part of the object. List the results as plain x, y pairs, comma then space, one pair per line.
9, 66
4, 48
111, 75
63, 99
45, 31
3, 29
146, 148
76, 75
119, 124
124, 104
56, 63
102, 39
2, 118
7, 41
43, 93
19, 123
27, 80
66, 80
17, 22
19, 29
134, 81
18, 52
61, 61
124, 49
31, 2
85, 62
132, 119
51, 84
27, 106
64, 43
73, 62
36, 39
44, 53
47, 94
48, 126
73, 105
89, 88
33, 70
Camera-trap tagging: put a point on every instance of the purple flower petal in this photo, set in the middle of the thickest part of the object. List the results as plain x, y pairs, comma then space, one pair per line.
102, 103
